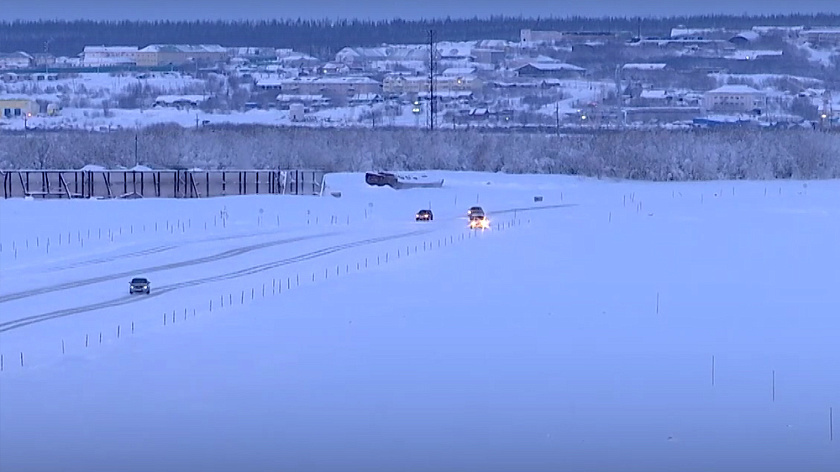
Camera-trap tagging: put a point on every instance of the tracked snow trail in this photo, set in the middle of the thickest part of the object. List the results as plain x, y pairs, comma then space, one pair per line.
229, 254
157, 268
14, 324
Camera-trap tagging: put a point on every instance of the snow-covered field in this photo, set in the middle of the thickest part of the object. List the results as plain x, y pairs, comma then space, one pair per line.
612, 326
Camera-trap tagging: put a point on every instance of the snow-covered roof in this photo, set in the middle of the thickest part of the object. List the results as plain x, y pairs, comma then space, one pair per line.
15, 55
180, 98
683, 31
447, 94
112, 49
736, 88
328, 80
546, 66
453, 71
748, 35
453, 49
645, 66
767, 29
109, 60
745, 55
493, 44
185, 48
284, 97
391, 52
823, 30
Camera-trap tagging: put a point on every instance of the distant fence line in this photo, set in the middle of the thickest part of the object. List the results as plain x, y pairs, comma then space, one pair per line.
164, 183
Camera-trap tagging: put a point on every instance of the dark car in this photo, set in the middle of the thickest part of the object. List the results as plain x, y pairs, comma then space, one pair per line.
475, 211
139, 285
424, 215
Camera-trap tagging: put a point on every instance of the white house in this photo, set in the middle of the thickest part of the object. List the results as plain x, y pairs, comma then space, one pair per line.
15, 60
825, 36
734, 98
103, 56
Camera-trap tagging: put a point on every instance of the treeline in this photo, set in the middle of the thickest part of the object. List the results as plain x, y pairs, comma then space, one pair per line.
639, 155
323, 38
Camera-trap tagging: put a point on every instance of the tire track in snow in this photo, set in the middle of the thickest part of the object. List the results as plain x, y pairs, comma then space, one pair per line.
158, 249
10, 325
19, 323
172, 265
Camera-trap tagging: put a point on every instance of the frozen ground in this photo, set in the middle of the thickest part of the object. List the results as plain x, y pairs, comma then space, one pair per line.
613, 326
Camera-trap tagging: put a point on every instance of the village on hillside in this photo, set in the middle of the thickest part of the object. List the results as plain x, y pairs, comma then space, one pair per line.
769, 76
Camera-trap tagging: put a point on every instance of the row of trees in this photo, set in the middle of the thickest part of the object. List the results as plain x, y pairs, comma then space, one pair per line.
644, 155
324, 38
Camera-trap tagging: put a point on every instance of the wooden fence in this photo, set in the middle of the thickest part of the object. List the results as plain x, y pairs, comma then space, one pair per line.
171, 183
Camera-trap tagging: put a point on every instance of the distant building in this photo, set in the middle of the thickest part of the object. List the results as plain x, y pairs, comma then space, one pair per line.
530, 36
15, 60
396, 84
155, 55
822, 37
681, 32
297, 112
557, 70
43, 59
106, 56
345, 86
734, 98
180, 102
640, 71
18, 108
488, 56
353, 56
745, 37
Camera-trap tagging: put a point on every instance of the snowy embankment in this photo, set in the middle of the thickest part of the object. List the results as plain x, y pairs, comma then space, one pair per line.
612, 326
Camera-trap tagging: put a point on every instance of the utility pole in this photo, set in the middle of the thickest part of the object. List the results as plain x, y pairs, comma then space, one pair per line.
432, 98
618, 92
135, 149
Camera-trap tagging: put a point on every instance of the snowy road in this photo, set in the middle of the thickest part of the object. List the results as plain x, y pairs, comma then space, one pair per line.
266, 266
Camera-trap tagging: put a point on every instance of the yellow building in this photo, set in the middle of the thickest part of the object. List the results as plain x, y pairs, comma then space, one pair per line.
18, 108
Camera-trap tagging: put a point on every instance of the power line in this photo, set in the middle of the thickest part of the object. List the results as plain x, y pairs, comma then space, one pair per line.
432, 98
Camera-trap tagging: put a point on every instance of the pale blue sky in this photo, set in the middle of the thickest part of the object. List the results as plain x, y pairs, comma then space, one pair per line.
384, 9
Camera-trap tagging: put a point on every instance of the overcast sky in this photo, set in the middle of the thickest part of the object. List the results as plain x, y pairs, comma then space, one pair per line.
385, 9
